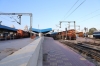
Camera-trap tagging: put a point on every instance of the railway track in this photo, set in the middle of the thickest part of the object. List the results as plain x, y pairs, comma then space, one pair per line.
90, 52
95, 44
95, 39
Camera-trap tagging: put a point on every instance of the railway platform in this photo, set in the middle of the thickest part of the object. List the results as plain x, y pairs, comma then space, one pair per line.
60, 55
10, 46
30, 53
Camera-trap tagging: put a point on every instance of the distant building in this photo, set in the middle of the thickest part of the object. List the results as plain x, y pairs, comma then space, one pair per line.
12, 26
26, 28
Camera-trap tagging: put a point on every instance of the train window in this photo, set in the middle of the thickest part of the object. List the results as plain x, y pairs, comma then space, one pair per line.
98, 32
95, 33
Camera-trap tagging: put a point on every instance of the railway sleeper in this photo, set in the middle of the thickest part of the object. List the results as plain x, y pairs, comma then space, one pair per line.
89, 55
96, 58
93, 56
85, 53
84, 50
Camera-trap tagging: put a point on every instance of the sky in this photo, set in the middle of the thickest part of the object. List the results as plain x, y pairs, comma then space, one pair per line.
48, 13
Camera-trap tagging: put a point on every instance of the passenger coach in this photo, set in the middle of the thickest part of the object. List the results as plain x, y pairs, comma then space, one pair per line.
96, 34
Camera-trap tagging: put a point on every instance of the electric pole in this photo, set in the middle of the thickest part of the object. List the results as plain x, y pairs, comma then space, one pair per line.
85, 31
0, 22
75, 26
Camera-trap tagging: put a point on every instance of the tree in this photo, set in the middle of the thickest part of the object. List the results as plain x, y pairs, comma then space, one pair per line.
91, 30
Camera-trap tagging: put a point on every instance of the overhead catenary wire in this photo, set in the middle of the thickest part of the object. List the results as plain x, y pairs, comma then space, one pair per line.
91, 17
89, 14
10, 18
75, 8
4, 18
71, 8
3, 12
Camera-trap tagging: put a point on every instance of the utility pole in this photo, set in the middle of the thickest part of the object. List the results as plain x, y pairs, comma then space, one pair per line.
66, 33
74, 26
0, 22
19, 19
85, 31
19, 15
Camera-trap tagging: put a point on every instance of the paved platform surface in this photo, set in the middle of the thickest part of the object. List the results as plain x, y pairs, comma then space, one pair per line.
9, 46
60, 55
